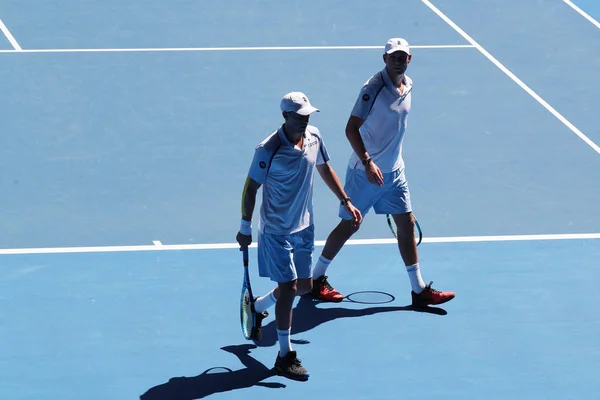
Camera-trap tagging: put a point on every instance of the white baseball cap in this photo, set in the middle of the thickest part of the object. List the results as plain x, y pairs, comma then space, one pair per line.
397, 44
297, 102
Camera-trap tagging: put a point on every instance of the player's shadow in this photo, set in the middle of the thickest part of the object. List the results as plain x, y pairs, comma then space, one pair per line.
211, 382
308, 316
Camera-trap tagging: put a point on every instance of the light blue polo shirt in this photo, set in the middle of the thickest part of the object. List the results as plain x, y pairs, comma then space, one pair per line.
385, 112
287, 175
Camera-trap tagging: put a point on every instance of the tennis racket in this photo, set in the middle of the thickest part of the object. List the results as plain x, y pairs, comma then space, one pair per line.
394, 229
246, 300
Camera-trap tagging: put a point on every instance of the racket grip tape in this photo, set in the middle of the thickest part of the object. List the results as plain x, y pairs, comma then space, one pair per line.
244, 250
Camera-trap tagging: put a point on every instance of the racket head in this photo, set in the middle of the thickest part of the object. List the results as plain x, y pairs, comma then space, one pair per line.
418, 233
246, 300
246, 315
392, 225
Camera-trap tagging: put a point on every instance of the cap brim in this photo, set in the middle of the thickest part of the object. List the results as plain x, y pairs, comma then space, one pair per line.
404, 50
307, 110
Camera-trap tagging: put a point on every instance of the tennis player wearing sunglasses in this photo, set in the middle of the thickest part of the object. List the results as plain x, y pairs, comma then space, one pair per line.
284, 164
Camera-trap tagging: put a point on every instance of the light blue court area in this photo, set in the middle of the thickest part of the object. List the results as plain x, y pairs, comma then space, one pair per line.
117, 325
548, 45
4, 44
591, 7
114, 149
149, 140
182, 23
130, 147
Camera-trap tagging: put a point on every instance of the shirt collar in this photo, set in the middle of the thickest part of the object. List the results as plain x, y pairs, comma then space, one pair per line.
390, 83
285, 139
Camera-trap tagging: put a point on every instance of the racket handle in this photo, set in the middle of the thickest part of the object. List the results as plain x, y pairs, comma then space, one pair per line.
245, 255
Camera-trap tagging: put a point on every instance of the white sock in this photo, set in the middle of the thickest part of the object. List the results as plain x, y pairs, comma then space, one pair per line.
265, 302
321, 267
414, 273
285, 342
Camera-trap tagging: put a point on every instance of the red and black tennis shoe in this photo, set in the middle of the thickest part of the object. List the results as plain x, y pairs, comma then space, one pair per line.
430, 296
323, 291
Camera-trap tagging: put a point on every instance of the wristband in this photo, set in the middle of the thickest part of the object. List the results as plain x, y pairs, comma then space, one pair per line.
246, 227
345, 201
366, 161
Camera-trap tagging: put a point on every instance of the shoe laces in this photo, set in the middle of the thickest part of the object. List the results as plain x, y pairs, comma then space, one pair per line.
296, 362
326, 284
432, 290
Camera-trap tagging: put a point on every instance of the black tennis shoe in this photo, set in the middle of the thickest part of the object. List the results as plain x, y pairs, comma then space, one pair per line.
256, 333
290, 367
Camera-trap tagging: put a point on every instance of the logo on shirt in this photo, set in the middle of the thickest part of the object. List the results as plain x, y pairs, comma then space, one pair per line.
366, 97
262, 164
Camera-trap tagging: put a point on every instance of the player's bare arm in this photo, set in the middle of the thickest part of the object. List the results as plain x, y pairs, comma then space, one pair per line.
373, 172
330, 178
249, 198
244, 236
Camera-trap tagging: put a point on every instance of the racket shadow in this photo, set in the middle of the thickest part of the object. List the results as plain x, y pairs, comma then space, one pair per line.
308, 316
216, 379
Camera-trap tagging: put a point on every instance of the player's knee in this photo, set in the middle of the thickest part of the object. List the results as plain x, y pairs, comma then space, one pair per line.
405, 224
288, 290
347, 228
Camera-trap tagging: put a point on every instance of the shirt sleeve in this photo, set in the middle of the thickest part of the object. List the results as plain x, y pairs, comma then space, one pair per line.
366, 98
260, 164
323, 155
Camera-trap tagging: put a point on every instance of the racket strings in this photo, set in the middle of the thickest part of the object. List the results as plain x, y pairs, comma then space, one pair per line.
246, 314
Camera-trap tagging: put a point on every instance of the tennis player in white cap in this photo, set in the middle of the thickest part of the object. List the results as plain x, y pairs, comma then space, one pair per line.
375, 176
284, 164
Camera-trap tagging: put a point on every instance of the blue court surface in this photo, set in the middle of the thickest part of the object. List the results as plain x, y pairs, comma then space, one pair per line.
128, 129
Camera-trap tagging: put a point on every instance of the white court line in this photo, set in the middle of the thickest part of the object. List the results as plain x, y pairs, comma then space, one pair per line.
216, 246
512, 76
182, 49
10, 37
583, 13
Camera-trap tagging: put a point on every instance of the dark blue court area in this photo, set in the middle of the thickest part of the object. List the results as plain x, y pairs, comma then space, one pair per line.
128, 129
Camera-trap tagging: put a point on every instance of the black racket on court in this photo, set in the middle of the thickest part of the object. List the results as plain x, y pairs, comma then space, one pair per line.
417, 232
247, 318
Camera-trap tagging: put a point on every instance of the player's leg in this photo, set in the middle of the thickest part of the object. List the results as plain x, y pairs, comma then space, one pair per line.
283, 314
322, 289
422, 295
408, 248
276, 262
396, 201
304, 247
336, 240
287, 363
363, 195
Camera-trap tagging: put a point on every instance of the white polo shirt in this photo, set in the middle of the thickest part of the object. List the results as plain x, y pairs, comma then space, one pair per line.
287, 175
385, 111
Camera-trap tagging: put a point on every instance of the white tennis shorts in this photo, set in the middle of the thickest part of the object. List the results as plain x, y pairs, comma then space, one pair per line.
284, 258
391, 198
